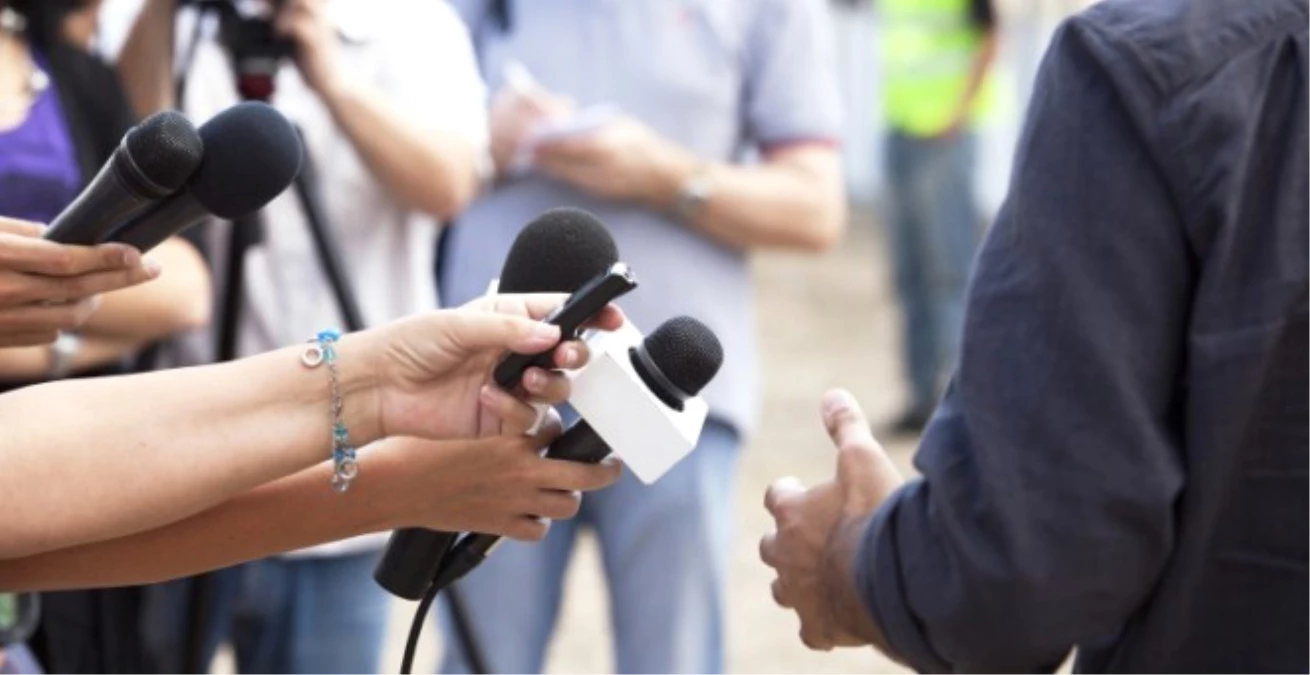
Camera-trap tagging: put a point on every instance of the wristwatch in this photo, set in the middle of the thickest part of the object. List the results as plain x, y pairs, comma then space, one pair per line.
62, 352
692, 196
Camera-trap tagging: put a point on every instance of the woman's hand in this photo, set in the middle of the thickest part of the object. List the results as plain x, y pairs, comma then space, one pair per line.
496, 485
47, 287
429, 374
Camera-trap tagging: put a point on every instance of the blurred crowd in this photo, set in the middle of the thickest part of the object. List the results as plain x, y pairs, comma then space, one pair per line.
698, 131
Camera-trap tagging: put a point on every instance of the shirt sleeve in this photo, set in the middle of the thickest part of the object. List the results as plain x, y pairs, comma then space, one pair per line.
1045, 511
791, 93
431, 71
471, 12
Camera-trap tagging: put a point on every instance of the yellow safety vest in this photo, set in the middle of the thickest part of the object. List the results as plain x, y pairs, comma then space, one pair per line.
928, 47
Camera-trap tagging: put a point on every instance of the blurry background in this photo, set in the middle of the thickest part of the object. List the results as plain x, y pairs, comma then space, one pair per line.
824, 321
842, 301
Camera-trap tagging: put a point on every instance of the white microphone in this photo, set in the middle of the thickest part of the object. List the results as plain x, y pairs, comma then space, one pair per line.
638, 399
649, 432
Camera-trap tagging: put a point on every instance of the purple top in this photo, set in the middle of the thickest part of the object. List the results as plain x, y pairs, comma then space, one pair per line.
39, 174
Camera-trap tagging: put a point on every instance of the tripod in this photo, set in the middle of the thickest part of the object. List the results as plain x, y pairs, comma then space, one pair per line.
255, 81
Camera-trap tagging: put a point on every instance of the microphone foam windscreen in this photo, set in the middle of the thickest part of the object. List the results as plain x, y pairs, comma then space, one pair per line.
166, 148
252, 154
686, 351
558, 252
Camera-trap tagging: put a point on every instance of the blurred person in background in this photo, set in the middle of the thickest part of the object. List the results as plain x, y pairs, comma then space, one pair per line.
697, 131
936, 57
392, 109
62, 114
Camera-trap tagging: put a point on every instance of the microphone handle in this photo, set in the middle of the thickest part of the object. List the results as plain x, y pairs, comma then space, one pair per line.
411, 560
166, 219
580, 443
415, 557
108, 201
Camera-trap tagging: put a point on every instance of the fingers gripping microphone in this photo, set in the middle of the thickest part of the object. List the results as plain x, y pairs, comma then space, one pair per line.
154, 160
672, 365
561, 251
252, 154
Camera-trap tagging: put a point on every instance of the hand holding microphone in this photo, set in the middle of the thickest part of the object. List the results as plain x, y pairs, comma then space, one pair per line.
429, 373
46, 287
51, 285
498, 484
670, 367
561, 250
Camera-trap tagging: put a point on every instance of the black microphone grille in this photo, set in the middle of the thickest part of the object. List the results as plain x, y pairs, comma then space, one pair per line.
559, 251
252, 154
166, 148
686, 351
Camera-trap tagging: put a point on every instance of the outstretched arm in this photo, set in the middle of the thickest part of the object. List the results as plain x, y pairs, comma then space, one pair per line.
95, 459
497, 485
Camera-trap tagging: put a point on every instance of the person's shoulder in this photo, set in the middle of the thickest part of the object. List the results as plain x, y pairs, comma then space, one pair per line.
1176, 43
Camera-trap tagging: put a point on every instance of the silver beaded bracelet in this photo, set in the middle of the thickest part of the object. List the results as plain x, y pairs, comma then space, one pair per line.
322, 349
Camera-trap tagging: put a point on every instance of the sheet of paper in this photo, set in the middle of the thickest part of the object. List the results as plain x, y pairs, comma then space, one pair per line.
581, 123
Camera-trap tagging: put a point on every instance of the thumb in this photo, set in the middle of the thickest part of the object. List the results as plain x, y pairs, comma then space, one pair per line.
474, 331
864, 470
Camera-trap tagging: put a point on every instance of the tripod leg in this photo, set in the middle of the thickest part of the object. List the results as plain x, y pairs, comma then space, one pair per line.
326, 245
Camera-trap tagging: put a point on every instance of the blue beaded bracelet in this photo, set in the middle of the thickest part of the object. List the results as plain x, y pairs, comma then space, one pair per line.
322, 349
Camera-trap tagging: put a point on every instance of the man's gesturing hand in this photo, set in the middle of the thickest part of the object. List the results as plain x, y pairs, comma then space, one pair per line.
47, 287
818, 532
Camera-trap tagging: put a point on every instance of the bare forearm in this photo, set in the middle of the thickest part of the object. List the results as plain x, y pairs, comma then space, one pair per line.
145, 64
88, 460
291, 513
180, 299
795, 199
427, 169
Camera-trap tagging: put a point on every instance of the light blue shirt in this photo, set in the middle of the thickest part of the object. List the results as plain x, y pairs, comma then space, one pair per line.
720, 78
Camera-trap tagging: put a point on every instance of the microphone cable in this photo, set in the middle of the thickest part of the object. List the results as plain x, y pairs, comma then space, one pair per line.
416, 630
477, 662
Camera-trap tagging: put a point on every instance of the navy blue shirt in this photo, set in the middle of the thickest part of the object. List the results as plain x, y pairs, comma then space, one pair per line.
1121, 462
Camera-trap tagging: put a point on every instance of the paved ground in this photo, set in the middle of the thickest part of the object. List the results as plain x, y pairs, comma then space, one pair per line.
823, 322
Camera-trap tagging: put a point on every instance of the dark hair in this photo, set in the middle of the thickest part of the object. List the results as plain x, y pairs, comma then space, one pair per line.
44, 17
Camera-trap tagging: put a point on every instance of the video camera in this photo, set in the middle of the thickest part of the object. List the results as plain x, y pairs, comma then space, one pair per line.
246, 33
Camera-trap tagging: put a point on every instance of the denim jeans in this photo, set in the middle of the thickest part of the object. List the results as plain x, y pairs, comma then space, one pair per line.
18, 660
934, 230
282, 615
665, 550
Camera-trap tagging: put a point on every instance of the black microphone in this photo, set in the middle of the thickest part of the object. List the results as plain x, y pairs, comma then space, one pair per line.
560, 251
252, 154
675, 362
154, 160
